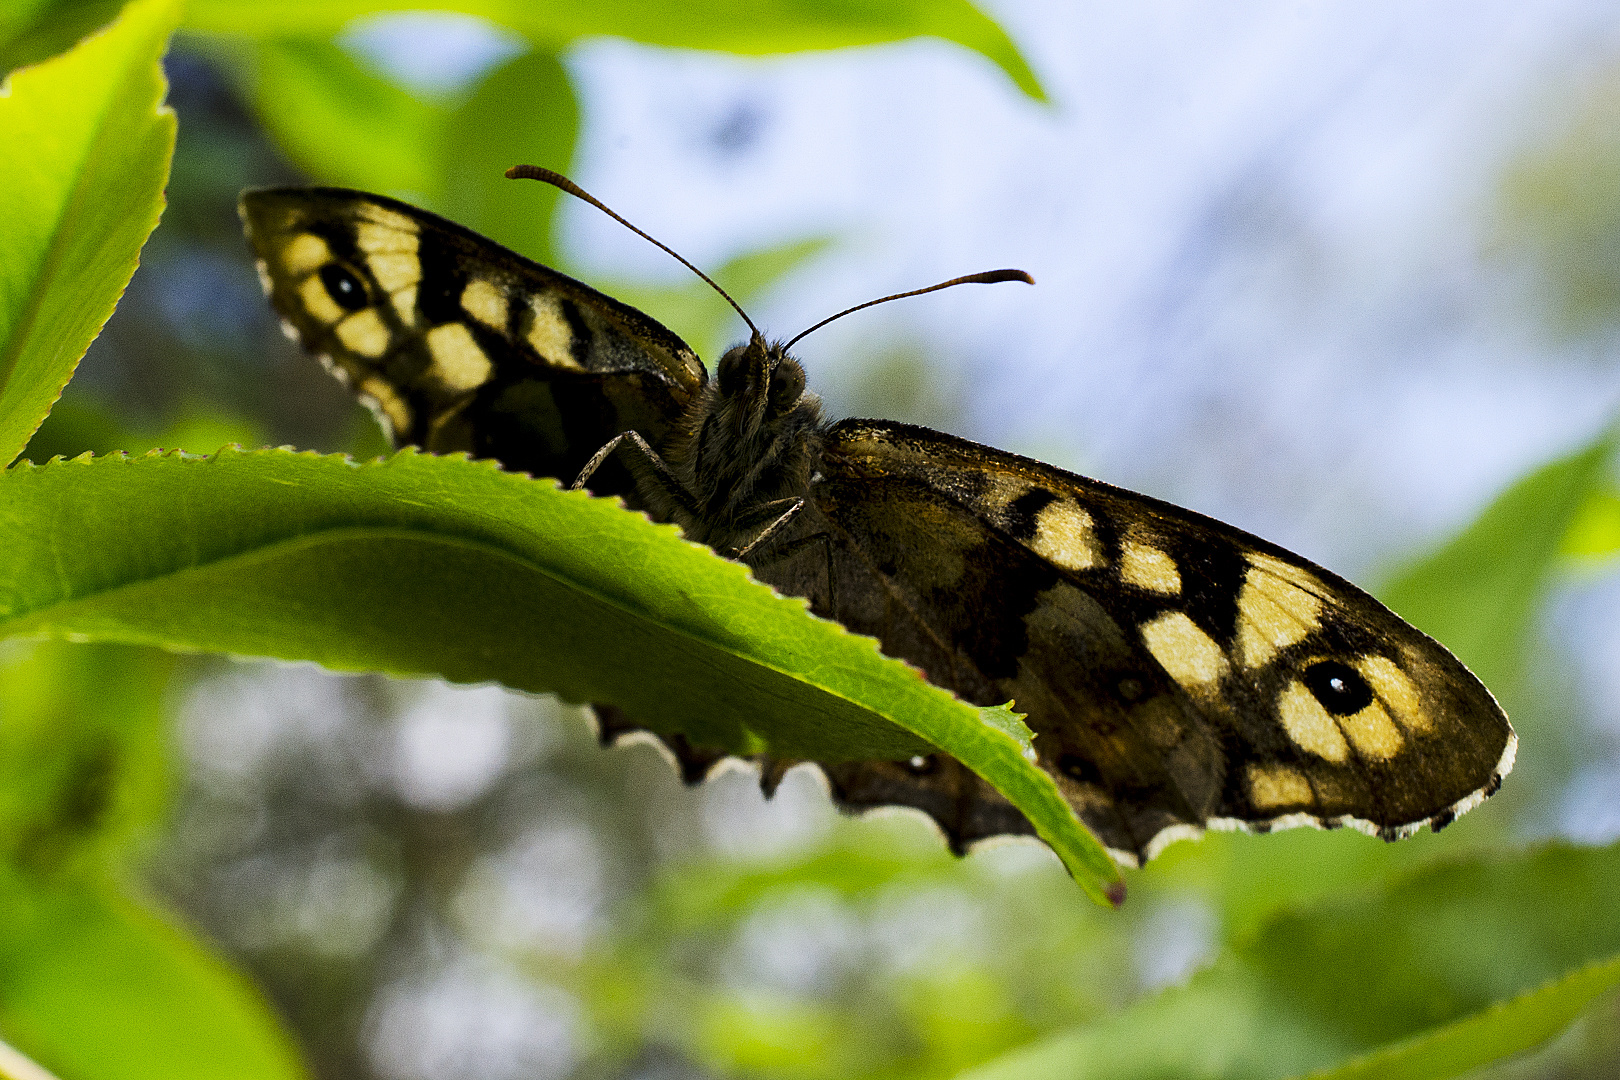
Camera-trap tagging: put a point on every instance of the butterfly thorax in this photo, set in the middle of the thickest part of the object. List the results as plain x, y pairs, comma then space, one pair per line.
747, 445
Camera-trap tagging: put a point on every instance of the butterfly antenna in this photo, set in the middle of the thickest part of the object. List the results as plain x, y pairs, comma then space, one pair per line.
989, 277
558, 180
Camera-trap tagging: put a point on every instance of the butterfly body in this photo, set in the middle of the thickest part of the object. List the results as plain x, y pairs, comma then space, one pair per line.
1178, 673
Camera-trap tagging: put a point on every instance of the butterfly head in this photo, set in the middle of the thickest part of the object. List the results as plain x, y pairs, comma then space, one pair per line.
756, 384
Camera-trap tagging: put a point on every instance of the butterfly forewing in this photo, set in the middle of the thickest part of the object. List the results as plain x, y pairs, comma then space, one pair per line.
1177, 672
458, 343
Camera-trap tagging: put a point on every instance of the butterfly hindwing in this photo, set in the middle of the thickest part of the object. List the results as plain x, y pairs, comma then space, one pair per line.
1178, 673
459, 344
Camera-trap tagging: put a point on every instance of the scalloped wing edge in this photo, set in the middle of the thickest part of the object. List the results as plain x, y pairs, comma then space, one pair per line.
696, 764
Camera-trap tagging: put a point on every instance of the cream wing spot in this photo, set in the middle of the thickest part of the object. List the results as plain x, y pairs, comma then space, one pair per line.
1274, 786
484, 301
364, 333
380, 230
1396, 691
1373, 733
394, 271
1148, 567
550, 334
318, 302
1189, 655
1274, 611
1064, 535
405, 305
458, 363
305, 254
1310, 726
386, 403
1296, 575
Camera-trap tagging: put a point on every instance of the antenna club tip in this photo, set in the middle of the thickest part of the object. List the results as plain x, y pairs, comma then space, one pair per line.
535, 172
994, 276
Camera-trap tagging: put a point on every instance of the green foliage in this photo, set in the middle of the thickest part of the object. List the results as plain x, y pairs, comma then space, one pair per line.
35, 30
106, 988
84, 150
424, 565
349, 126
92, 982
485, 136
1331, 952
1506, 1028
1368, 971
342, 123
776, 26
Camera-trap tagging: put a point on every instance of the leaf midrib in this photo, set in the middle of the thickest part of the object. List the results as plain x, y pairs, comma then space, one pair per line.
19, 622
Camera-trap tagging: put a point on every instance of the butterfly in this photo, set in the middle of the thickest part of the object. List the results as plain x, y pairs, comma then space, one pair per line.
1178, 673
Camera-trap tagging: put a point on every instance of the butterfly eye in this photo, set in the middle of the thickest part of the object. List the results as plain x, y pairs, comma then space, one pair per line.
346, 290
733, 371
1338, 687
787, 387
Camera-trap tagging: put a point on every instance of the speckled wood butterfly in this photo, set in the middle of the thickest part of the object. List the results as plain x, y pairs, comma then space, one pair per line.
1179, 674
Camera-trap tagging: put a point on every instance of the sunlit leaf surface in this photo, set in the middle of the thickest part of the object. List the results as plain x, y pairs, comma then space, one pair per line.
84, 151
424, 565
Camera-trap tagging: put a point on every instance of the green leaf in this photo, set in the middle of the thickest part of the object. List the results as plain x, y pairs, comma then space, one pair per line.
82, 769
343, 123
1478, 593
1221, 1025
35, 30
347, 125
426, 565
106, 989
84, 152
754, 27
1443, 943
1594, 534
1011, 724
1505, 1029
91, 984
522, 112
1421, 955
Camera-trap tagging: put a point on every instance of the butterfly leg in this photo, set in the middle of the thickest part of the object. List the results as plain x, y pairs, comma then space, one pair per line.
773, 528
663, 477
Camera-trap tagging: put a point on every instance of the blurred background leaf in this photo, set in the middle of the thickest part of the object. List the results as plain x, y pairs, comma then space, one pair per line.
772, 27
1508, 1028
92, 982
1335, 979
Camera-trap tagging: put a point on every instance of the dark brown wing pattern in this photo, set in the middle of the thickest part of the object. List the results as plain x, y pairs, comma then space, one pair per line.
1178, 673
459, 344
